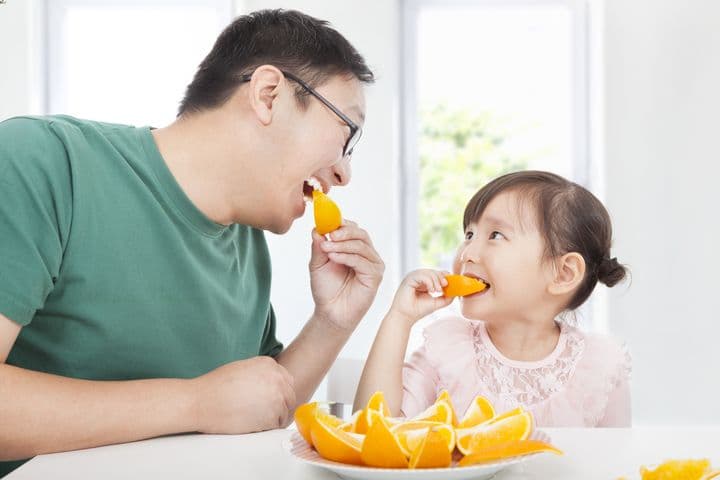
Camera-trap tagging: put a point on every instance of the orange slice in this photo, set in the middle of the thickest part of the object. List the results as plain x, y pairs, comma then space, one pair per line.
444, 395
460, 286
440, 411
327, 213
513, 448
333, 443
473, 439
432, 451
304, 416
677, 469
381, 448
376, 403
411, 434
480, 410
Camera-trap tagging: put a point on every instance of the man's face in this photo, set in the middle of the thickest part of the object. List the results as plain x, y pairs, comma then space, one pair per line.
313, 147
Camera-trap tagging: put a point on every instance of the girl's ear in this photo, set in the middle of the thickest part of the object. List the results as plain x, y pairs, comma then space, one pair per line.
569, 273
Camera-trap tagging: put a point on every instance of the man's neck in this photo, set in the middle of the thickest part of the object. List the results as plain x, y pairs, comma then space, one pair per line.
197, 150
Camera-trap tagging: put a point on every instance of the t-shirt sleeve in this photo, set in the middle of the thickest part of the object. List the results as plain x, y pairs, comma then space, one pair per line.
35, 211
270, 345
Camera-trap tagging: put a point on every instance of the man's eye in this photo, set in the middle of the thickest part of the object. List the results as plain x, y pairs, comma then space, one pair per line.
496, 235
468, 235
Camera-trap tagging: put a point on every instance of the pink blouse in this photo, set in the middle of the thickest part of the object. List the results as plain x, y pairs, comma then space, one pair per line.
584, 382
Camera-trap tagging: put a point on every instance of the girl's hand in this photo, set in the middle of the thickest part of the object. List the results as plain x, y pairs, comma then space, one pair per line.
420, 294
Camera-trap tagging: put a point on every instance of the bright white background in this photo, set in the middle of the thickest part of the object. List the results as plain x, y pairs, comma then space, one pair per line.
655, 104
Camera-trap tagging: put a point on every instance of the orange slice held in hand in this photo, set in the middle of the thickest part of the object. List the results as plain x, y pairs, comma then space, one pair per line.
461, 286
327, 213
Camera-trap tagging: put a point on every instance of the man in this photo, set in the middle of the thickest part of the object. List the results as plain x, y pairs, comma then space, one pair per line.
134, 274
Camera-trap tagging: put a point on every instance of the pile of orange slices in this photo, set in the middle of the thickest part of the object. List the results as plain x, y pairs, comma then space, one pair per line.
429, 440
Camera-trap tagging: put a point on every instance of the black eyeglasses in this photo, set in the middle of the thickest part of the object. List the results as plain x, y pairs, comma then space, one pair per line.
355, 131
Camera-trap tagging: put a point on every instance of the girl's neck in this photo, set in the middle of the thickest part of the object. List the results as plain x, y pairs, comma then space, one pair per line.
523, 341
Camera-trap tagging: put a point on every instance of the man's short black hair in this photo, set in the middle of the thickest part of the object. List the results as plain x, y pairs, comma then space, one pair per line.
288, 39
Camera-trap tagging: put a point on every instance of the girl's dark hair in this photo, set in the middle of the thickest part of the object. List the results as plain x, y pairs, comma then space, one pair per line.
292, 41
570, 219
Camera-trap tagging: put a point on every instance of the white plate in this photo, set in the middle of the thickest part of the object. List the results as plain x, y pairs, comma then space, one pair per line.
299, 449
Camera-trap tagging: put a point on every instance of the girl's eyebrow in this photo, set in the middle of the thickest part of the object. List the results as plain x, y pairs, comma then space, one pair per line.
499, 222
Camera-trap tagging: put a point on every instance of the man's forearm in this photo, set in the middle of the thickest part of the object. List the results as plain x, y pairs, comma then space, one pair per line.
309, 357
43, 413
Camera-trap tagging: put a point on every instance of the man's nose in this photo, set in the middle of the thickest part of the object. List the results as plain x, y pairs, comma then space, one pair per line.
342, 172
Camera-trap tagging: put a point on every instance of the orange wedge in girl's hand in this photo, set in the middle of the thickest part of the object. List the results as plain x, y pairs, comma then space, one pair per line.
477, 438
432, 451
506, 450
327, 213
381, 448
335, 444
460, 286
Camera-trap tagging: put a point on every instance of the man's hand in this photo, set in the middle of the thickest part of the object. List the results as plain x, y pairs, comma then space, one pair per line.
345, 273
244, 396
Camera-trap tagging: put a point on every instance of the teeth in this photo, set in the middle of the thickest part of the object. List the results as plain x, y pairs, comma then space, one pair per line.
314, 183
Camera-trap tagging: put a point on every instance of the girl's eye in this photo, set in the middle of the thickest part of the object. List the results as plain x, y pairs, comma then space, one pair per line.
468, 235
496, 235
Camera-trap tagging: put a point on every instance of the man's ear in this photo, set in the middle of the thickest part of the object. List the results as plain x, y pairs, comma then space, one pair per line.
569, 273
264, 90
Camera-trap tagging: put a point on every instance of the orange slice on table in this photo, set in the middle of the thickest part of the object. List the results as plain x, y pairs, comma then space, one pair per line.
376, 403
327, 213
432, 451
381, 448
460, 286
440, 411
304, 417
507, 450
509, 429
335, 444
679, 469
444, 395
411, 434
479, 411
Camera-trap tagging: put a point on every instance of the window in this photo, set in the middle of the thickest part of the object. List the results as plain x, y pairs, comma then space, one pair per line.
127, 61
490, 87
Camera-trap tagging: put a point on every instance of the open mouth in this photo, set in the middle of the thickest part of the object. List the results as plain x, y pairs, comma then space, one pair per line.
487, 284
309, 185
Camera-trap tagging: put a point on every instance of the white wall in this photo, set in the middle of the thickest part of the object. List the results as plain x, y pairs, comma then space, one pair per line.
662, 107
20, 58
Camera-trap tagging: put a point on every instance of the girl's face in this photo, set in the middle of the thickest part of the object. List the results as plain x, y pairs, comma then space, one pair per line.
505, 249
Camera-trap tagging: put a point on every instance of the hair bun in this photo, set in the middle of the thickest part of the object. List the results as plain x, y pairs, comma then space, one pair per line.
610, 272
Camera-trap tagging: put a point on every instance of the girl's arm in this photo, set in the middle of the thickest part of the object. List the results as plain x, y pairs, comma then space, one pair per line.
383, 368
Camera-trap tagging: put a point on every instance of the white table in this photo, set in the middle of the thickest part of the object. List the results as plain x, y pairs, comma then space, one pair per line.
589, 454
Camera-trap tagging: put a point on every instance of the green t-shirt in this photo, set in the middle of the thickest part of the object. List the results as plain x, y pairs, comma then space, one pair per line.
110, 269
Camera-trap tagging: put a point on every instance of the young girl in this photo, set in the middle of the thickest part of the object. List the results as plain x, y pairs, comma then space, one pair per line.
541, 244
